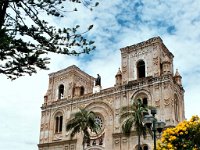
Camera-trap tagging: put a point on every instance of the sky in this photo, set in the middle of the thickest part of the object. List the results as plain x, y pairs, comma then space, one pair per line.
117, 23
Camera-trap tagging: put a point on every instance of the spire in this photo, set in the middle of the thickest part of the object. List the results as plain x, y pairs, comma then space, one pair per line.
177, 74
119, 72
118, 78
178, 78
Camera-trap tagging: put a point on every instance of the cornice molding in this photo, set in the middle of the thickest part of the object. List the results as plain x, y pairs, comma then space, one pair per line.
57, 143
69, 69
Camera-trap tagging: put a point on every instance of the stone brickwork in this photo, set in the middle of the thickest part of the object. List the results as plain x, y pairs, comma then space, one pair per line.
159, 88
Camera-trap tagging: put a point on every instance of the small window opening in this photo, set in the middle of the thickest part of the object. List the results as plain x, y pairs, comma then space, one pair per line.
59, 122
145, 147
61, 91
145, 102
82, 91
141, 69
161, 68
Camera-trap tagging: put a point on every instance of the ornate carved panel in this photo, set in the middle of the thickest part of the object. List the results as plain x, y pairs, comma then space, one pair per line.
157, 103
167, 101
156, 60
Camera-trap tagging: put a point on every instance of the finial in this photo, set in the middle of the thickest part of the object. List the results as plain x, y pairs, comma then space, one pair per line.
177, 73
119, 72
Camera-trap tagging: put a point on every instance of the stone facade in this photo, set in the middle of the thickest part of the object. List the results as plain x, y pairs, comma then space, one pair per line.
146, 73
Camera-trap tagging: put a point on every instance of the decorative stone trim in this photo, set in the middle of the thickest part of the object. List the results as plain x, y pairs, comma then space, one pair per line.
57, 143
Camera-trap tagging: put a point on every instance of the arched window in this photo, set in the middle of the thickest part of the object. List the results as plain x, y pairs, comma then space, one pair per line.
143, 98
141, 69
145, 147
82, 90
58, 123
60, 91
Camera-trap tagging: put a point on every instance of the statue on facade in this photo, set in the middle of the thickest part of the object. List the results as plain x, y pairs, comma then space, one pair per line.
98, 80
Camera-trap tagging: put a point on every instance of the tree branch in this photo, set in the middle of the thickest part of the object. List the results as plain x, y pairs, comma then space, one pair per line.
3, 8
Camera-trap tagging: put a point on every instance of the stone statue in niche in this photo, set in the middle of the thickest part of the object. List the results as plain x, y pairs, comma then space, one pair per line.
98, 80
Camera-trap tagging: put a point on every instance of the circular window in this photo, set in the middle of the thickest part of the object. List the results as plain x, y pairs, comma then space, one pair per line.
99, 120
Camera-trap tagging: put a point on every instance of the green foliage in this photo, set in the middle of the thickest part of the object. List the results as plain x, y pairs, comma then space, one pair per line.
84, 122
185, 136
26, 38
132, 116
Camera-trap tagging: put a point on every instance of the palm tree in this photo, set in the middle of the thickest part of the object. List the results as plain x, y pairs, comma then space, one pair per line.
133, 116
83, 121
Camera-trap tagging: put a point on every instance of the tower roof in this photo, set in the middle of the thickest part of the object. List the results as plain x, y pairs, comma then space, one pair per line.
72, 68
119, 72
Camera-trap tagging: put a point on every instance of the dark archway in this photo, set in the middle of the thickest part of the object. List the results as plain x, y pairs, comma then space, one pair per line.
141, 69
60, 91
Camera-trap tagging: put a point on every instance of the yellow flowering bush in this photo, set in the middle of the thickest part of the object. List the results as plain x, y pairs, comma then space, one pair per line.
185, 136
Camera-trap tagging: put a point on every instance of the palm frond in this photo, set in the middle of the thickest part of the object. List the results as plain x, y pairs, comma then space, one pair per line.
82, 121
126, 126
133, 116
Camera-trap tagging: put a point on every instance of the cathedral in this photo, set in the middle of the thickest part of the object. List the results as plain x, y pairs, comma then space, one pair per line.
146, 72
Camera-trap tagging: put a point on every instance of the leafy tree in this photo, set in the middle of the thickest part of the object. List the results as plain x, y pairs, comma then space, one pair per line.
132, 116
185, 136
26, 37
84, 122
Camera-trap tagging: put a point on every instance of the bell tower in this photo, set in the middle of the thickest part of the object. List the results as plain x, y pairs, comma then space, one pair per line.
149, 58
149, 67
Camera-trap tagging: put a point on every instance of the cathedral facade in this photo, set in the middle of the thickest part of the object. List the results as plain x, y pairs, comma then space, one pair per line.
146, 72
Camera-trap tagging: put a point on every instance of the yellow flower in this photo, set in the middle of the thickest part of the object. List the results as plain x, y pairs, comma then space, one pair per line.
169, 145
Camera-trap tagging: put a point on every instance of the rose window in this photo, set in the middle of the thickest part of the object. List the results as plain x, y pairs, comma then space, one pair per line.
99, 121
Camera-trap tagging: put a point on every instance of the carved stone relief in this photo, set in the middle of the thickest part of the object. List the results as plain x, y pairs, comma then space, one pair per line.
74, 107
124, 140
81, 106
124, 63
141, 52
166, 85
156, 60
117, 127
67, 108
117, 111
156, 86
110, 100
72, 147
57, 137
117, 141
156, 74
67, 147
157, 103
167, 120
44, 126
166, 101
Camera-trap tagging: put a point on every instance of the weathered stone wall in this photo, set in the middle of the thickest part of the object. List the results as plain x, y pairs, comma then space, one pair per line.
159, 88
